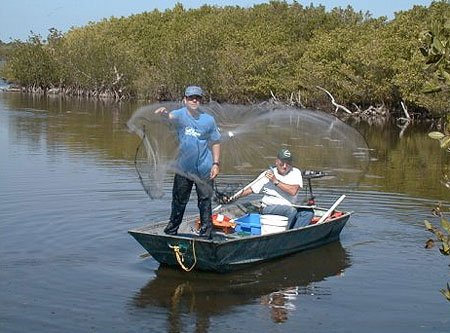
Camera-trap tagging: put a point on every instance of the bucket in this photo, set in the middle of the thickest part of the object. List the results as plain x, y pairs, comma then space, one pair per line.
273, 223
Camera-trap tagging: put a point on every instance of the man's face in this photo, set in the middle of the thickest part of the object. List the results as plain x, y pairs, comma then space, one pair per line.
283, 167
193, 102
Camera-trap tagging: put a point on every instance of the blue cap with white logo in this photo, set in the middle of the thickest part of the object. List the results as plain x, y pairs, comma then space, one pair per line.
193, 91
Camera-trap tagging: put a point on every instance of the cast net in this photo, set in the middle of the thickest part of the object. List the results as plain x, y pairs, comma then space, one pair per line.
251, 136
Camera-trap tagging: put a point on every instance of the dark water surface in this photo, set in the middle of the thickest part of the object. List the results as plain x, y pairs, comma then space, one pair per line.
69, 193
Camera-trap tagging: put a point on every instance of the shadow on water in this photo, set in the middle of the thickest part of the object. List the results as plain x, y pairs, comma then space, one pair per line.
275, 284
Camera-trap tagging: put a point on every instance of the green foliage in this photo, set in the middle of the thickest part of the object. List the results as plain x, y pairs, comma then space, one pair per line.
243, 55
96, 57
436, 50
444, 140
442, 236
32, 64
446, 292
5, 50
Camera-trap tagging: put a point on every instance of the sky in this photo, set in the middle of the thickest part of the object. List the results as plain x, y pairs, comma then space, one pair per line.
18, 18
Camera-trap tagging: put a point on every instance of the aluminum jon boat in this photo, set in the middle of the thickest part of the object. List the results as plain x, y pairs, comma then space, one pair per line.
228, 250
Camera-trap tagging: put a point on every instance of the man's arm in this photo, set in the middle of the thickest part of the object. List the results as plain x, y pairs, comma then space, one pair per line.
240, 194
244, 193
289, 189
215, 148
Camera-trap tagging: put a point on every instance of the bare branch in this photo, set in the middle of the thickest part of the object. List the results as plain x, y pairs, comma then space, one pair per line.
403, 128
118, 76
358, 109
405, 110
333, 101
273, 95
405, 121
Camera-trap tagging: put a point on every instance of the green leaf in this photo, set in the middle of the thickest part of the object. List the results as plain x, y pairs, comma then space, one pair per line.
445, 224
437, 44
445, 142
431, 88
446, 293
445, 250
428, 225
446, 75
447, 24
436, 135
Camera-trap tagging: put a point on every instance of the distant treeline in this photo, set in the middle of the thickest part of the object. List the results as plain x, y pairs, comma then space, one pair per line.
240, 55
6, 50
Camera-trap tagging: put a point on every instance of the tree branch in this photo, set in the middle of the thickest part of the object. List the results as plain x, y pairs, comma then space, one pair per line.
333, 101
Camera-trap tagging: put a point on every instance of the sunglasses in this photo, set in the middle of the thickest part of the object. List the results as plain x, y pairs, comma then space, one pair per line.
194, 97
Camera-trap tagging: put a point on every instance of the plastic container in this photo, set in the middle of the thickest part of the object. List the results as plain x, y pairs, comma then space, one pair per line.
248, 223
249, 219
273, 223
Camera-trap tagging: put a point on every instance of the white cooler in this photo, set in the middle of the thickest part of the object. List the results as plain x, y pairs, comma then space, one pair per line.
273, 223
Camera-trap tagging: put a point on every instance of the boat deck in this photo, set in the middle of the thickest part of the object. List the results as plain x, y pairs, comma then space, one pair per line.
188, 226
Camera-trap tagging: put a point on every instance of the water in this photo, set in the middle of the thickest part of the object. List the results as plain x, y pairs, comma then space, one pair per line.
69, 193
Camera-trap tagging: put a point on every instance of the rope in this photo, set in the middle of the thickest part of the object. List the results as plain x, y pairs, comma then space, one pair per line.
180, 257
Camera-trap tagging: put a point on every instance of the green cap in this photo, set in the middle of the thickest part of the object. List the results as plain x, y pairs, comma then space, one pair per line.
285, 155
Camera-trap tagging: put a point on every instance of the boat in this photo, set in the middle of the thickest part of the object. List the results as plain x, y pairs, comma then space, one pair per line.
227, 250
239, 238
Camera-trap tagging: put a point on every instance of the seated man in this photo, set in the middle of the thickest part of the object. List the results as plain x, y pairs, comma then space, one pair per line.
280, 186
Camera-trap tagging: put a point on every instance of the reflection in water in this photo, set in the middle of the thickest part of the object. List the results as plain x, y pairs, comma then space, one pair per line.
281, 302
275, 284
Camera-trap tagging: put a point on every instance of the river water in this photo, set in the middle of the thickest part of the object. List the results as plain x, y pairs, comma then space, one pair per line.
69, 193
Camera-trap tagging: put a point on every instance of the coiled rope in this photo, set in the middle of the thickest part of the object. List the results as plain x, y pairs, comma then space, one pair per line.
180, 257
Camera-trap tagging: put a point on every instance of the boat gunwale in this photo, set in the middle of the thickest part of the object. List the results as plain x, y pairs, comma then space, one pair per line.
144, 230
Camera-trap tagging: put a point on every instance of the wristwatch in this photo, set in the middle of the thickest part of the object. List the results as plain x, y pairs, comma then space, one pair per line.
276, 182
216, 163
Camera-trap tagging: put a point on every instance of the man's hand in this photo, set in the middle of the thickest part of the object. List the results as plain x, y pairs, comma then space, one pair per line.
227, 200
271, 176
214, 171
164, 112
161, 110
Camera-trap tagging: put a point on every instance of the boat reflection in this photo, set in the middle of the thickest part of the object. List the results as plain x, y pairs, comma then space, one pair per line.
275, 284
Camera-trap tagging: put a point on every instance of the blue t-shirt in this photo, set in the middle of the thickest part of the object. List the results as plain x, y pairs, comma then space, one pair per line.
195, 136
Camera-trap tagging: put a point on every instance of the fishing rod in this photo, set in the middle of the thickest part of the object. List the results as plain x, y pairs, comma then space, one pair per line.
234, 196
308, 175
226, 198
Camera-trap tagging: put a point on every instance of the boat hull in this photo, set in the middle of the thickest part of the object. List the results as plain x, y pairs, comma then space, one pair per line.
225, 254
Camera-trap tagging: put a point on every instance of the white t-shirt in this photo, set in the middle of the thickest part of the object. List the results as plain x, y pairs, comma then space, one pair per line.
273, 195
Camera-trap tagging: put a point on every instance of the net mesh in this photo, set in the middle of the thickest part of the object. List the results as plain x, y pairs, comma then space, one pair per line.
251, 136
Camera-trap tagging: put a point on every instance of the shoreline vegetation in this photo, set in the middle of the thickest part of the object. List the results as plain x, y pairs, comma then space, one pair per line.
337, 61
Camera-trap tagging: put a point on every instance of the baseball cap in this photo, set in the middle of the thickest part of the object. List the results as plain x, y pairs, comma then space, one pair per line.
193, 91
285, 155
